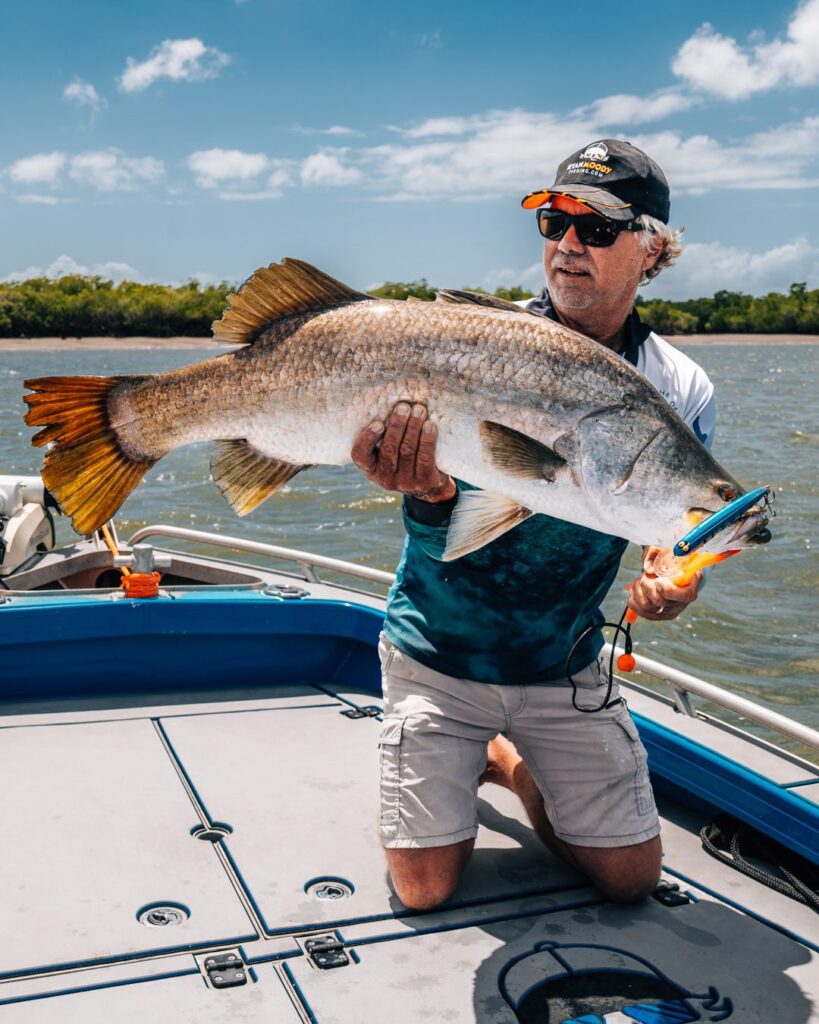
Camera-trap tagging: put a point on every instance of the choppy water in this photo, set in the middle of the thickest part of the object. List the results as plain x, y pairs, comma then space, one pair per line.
755, 627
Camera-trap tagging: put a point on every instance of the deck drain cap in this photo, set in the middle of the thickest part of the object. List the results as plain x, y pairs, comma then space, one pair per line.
161, 915
328, 889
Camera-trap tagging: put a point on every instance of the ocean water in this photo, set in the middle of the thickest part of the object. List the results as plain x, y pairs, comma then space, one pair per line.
755, 628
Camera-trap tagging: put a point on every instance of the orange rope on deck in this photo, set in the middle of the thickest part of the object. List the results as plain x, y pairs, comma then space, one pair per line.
135, 584
141, 584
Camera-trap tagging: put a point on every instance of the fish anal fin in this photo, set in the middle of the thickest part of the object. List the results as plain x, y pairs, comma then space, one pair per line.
465, 298
280, 290
246, 476
519, 454
478, 518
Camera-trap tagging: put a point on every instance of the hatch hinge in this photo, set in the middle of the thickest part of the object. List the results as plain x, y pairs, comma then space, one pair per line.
369, 711
668, 893
225, 970
326, 952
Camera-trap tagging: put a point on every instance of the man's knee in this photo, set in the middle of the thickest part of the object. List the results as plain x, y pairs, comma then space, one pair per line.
627, 874
423, 879
629, 889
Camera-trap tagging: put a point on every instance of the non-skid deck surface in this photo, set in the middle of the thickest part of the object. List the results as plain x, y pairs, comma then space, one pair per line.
98, 827
571, 962
99, 818
300, 791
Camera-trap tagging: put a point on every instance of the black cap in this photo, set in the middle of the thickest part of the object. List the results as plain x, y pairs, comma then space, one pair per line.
612, 177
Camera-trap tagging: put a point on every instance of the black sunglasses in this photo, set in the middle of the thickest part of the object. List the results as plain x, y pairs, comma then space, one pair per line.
591, 228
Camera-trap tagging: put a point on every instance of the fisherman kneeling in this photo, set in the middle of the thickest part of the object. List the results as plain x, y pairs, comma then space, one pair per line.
476, 647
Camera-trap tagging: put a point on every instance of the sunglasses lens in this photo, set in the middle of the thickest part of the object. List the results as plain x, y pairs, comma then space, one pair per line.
591, 229
552, 224
595, 231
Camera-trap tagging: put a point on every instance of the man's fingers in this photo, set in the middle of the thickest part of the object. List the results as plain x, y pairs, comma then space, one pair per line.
671, 592
408, 448
658, 599
391, 442
365, 451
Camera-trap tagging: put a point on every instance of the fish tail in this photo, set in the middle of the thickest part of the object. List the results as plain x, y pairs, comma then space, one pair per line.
86, 469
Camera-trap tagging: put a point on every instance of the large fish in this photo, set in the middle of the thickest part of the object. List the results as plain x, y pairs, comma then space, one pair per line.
539, 417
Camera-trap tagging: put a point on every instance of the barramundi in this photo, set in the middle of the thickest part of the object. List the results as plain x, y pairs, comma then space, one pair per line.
538, 417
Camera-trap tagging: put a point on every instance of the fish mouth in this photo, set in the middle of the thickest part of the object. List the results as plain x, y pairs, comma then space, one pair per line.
750, 530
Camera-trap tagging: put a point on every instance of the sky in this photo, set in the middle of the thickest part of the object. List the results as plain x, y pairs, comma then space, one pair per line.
173, 139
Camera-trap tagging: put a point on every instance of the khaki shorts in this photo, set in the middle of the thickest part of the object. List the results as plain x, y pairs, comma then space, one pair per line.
591, 769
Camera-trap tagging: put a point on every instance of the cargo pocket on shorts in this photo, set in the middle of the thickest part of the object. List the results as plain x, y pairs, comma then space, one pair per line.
642, 784
389, 744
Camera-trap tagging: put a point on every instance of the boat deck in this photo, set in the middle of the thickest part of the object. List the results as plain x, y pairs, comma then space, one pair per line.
249, 816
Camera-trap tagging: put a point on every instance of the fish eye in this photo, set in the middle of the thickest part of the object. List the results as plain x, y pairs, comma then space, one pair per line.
727, 492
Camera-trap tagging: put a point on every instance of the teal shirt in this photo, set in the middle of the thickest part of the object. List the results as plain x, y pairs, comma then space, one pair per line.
509, 612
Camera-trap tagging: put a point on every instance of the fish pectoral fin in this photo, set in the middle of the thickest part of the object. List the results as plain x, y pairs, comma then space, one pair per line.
518, 453
280, 290
465, 298
247, 477
478, 518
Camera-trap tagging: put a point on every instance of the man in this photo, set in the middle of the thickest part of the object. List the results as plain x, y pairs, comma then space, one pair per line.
478, 647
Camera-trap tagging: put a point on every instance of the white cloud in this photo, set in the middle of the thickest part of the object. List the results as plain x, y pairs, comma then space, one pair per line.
507, 152
252, 196
439, 126
326, 168
431, 41
215, 167
623, 108
782, 158
181, 60
501, 152
281, 175
35, 198
707, 267
84, 94
532, 277
42, 169
718, 64
339, 129
109, 170
65, 265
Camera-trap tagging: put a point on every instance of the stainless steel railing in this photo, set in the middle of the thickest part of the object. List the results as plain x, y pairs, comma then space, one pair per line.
682, 683
305, 560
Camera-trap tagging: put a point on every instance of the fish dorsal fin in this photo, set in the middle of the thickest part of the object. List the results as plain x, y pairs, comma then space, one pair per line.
518, 453
479, 299
478, 518
246, 476
281, 289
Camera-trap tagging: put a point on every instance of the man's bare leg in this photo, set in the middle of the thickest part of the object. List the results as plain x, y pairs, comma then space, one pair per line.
626, 874
424, 878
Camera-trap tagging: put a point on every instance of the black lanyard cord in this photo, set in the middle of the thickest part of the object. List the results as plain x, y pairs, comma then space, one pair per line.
618, 629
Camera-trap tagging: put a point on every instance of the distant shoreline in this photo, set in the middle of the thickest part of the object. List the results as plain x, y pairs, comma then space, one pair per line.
129, 344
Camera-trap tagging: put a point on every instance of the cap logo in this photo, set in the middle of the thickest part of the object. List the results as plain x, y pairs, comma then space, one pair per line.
596, 151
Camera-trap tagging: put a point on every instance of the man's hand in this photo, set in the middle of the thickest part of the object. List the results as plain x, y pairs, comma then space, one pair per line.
656, 597
401, 455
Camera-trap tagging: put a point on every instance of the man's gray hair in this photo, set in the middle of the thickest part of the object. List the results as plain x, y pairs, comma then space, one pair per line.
658, 237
